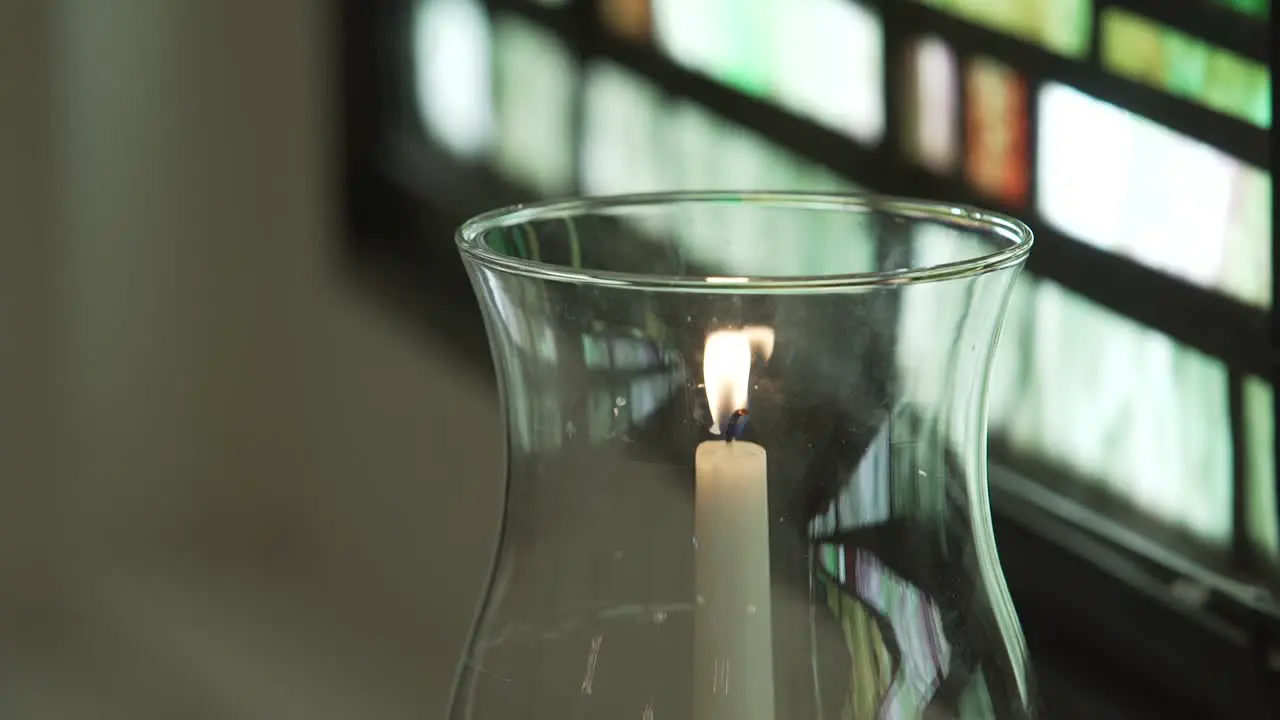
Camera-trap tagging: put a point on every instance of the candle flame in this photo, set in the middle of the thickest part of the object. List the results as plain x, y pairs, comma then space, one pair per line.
726, 368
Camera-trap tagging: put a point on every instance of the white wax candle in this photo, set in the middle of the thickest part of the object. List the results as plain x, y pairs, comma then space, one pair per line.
733, 632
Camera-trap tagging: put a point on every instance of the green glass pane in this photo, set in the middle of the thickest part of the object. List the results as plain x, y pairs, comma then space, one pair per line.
1254, 8
830, 559
746, 25
1260, 447
1062, 26
1185, 66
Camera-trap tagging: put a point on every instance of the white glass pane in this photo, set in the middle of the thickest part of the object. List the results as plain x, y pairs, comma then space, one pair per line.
823, 59
1127, 185
620, 152
452, 51
535, 79
1125, 406
828, 65
934, 100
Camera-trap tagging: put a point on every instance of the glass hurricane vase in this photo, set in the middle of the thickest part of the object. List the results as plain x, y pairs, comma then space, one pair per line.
746, 461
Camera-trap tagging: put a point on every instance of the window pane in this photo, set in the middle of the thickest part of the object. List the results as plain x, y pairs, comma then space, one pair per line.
1062, 26
452, 49
931, 137
1260, 454
620, 132
1185, 66
827, 58
1255, 8
1124, 184
996, 161
719, 38
629, 19
821, 59
1117, 404
635, 138
535, 78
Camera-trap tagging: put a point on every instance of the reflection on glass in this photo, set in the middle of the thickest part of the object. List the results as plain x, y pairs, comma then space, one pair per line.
932, 103
1122, 405
1165, 200
1262, 512
865, 498
1062, 26
1186, 66
535, 77
628, 19
996, 162
623, 353
821, 59
452, 51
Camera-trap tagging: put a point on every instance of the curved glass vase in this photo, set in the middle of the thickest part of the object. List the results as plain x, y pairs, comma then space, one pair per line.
746, 461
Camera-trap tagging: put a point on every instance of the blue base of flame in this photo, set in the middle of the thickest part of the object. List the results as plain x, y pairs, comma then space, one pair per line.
735, 424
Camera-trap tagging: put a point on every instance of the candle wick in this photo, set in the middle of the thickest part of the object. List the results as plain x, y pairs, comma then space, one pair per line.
735, 424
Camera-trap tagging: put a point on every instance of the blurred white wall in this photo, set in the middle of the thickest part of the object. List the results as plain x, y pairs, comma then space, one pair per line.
230, 485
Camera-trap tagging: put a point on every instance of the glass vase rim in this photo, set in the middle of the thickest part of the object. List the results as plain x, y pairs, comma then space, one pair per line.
1018, 239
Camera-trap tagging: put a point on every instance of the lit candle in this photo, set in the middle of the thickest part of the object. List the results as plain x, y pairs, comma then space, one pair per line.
733, 633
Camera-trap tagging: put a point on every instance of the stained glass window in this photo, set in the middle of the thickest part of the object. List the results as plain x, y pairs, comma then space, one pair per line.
1102, 137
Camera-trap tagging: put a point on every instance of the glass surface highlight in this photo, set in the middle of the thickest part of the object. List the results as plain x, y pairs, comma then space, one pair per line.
738, 489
